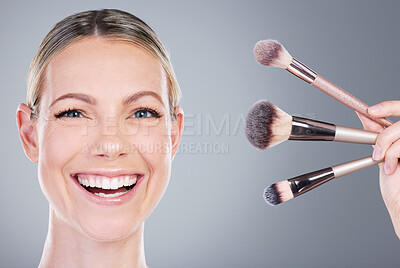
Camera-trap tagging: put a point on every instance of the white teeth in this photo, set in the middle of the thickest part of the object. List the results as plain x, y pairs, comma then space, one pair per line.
126, 181
105, 184
110, 195
120, 183
114, 183
132, 181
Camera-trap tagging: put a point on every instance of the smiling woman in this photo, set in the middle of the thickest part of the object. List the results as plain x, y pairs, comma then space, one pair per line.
103, 124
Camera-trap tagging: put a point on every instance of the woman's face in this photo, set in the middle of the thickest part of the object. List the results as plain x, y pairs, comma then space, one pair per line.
104, 122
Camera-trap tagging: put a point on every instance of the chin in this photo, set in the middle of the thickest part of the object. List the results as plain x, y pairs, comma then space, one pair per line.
109, 228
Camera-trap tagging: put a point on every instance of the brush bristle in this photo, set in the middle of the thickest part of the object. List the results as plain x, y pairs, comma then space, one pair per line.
278, 193
272, 53
267, 125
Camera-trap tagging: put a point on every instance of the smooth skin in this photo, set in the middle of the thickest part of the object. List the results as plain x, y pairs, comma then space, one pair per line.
100, 132
387, 147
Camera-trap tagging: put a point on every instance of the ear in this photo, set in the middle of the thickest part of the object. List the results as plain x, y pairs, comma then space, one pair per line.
176, 130
27, 132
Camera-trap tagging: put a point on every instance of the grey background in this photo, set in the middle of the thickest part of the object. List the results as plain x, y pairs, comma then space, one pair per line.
213, 214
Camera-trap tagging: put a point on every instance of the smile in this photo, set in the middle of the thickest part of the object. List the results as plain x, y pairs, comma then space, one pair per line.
107, 187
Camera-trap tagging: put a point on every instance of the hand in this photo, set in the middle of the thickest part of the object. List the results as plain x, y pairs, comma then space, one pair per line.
388, 147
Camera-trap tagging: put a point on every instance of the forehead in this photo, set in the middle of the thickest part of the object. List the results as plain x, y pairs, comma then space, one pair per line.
104, 68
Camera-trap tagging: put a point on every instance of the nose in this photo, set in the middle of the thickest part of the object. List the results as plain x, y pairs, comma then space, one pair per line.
108, 142
109, 148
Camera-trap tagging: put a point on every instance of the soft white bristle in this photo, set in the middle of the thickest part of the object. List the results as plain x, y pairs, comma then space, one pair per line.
284, 191
272, 53
281, 127
278, 193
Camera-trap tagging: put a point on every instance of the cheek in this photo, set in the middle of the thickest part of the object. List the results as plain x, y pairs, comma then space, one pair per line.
154, 146
58, 145
150, 138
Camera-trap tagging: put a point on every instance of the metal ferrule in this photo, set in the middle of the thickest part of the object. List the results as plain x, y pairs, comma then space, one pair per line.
352, 166
306, 182
307, 129
299, 69
354, 135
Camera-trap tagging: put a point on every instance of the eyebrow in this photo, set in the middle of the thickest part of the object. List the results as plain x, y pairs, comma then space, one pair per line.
140, 94
90, 100
78, 96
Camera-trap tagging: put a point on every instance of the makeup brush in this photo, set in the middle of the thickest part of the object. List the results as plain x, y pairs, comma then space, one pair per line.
267, 126
285, 190
272, 53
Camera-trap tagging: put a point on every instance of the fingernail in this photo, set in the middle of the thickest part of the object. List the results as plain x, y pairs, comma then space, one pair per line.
387, 168
376, 155
375, 109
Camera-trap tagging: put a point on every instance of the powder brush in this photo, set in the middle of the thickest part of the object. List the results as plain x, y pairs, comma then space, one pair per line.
272, 53
266, 126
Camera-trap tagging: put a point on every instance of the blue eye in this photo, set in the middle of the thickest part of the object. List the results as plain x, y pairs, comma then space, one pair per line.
69, 113
142, 114
146, 113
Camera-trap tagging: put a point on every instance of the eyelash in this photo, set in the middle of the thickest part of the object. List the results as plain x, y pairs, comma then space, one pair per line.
62, 113
152, 111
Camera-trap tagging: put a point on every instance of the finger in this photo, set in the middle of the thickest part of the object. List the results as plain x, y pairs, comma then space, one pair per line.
392, 158
385, 139
368, 124
386, 108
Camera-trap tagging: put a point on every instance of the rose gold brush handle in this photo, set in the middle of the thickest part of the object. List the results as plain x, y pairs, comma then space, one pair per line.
302, 71
355, 165
347, 99
306, 182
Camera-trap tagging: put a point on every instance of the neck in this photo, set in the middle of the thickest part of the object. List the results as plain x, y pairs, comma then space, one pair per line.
67, 247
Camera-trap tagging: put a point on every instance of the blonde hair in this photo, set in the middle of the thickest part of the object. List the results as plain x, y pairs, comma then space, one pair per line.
108, 23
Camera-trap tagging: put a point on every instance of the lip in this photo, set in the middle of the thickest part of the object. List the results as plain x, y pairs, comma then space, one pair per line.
109, 201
